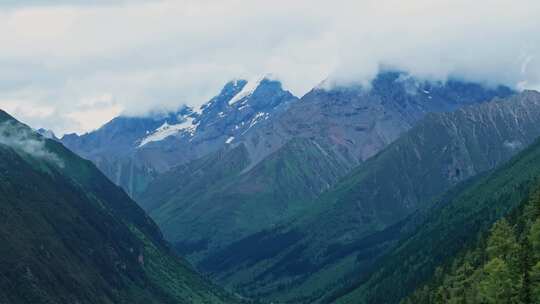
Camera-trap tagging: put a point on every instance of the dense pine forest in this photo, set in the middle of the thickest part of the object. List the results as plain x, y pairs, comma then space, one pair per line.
503, 266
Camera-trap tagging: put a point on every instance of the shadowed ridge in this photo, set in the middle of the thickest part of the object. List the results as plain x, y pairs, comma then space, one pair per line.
4, 116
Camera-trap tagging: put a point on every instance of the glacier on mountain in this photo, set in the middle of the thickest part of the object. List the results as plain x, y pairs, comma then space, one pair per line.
167, 130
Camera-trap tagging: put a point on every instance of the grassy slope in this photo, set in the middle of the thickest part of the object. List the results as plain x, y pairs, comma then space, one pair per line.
219, 203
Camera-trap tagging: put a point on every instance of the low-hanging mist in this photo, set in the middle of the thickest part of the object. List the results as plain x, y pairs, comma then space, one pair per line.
24, 140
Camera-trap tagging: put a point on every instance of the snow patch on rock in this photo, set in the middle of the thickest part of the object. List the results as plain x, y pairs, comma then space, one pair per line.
247, 90
513, 144
167, 130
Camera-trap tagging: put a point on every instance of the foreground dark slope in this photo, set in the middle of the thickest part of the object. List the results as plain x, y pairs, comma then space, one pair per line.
69, 235
454, 222
363, 215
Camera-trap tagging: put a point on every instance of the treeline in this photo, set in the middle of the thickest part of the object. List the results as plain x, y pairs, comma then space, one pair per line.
502, 266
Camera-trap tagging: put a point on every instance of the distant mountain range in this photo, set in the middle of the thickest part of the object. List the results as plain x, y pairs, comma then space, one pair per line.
302, 200
341, 128
271, 173
356, 122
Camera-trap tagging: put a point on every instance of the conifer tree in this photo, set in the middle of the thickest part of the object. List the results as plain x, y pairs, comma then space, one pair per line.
502, 242
497, 286
535, 283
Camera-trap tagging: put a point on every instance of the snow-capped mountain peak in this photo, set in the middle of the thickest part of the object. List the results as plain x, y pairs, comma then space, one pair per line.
248, 89
188, 126
231, 89
161, 140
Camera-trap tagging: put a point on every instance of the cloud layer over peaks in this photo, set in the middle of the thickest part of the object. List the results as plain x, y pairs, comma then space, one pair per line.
70, 66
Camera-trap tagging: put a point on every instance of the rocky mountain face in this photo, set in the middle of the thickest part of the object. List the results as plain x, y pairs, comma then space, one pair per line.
349, 226
459, 221
69, 235
358, 122
131, 151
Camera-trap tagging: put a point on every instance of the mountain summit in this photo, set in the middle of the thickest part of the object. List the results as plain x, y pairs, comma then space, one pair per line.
131, 151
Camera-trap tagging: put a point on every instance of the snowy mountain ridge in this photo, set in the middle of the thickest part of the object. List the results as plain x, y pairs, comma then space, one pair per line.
131, 150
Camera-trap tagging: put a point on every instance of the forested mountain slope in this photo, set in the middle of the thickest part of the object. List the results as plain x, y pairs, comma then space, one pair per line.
350, 225
502, 266
453, 223
69, 235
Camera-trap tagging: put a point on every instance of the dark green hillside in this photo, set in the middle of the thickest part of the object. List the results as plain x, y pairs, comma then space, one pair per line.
503, 266
452, 224
211, 202
68, 235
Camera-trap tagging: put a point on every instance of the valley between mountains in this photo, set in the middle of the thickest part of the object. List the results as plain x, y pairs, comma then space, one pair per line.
392, 193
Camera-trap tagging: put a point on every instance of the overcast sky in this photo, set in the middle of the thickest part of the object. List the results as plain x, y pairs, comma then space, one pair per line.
71, 66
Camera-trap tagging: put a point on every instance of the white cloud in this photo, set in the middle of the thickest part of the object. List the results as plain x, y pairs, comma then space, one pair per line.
22, 139
147, 54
